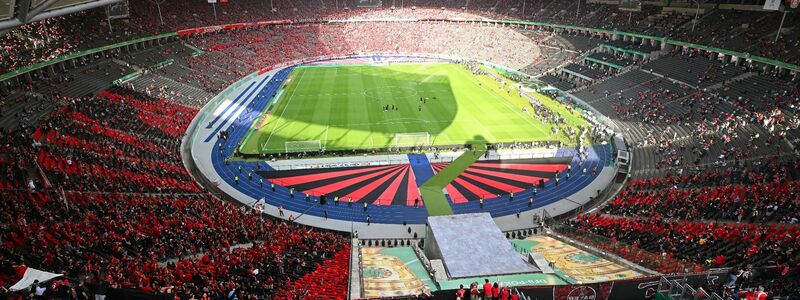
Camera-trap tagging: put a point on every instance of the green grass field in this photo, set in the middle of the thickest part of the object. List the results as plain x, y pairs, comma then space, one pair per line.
342, 107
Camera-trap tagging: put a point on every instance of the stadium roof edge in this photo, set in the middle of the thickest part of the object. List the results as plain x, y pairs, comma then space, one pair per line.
46, 9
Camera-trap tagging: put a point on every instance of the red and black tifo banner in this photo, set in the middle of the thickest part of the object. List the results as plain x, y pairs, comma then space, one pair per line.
488, 179
379, 185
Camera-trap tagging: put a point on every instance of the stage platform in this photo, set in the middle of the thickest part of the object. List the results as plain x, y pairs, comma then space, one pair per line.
471, 245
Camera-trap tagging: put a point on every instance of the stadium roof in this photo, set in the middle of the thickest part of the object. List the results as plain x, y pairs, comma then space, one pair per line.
14, 13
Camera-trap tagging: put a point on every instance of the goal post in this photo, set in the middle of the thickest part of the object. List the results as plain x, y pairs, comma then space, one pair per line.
412, 139
303, 146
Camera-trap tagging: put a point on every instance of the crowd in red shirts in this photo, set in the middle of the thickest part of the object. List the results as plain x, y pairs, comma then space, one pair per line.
759, 193
325, 282
694, 245
714, 244
114, 142
694, 219
39, 41
46, 39
98, 188
98, 192
719, 217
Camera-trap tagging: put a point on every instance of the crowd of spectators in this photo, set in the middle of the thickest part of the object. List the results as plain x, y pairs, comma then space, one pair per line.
723, 140
728, 193
730, 121
762, 193
39, 41
98, 193
227, 56
249, 50
708, 244
43, 40
554, 51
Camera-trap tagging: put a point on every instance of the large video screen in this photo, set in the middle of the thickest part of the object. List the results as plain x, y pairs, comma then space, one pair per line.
368, 3
630, 5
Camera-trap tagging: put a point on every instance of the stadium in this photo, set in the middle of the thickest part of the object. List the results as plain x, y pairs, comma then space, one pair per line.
411, 149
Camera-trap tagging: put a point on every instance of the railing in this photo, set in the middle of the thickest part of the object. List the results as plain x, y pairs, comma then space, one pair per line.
390, 158
425, 261
615, 48
140, 72
79, 54
355, 246
678, 289
399, 242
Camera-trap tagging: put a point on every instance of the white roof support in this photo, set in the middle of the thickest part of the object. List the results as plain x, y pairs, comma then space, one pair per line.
27, 14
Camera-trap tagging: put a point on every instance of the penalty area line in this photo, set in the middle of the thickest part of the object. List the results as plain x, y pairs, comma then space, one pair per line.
325, 145
284, 110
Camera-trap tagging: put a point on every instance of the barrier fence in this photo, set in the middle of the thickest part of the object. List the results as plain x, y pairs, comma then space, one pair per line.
637, 288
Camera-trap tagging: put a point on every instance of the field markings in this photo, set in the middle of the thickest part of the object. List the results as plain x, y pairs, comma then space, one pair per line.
326, 136
431, 76
507, 105
391, 119
291, 96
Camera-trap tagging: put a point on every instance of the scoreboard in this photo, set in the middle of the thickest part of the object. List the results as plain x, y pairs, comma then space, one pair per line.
630, 5
368, 3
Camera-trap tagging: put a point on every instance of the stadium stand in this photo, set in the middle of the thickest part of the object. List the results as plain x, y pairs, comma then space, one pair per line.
580, 42
113, 202
714, 182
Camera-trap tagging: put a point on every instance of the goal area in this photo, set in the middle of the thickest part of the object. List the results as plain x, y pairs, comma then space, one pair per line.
412, 139
303, 146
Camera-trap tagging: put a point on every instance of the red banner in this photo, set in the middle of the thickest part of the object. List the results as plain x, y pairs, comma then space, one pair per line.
265, 70
236, 26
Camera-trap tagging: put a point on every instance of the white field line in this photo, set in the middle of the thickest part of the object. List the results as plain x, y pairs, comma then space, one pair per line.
327, 128
263, 148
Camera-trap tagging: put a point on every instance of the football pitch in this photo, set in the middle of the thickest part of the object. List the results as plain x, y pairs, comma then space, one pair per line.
347, 107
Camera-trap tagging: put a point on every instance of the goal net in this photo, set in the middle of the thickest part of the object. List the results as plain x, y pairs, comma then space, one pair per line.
413, 139
303, 146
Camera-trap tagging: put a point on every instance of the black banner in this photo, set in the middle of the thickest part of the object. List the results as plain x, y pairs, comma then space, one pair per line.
641, 288
638, 288
536, 292
645, 287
